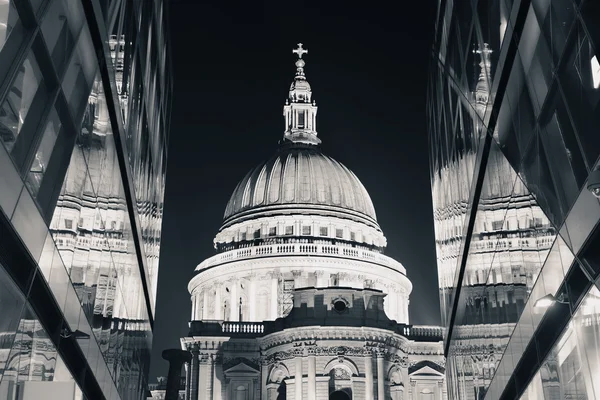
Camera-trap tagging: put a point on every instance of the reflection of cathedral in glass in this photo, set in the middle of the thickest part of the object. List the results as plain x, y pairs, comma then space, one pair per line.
84, 111
300, 301
512, 113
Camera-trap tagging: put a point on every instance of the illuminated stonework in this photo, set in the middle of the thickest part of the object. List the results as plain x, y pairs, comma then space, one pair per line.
300, 246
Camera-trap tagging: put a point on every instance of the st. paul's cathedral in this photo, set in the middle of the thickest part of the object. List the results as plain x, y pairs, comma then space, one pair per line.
300, 302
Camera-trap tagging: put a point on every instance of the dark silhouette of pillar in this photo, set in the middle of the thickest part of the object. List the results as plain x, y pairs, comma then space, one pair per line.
188, 381
176, 359
195, 368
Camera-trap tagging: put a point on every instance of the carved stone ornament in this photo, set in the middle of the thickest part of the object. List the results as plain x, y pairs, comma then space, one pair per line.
204, 358
341, 374
397, 359
279, 356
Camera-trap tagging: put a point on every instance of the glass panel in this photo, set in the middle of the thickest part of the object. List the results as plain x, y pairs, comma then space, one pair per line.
30, 366
8, 19
10, 182
11, 305
43, 152
91, 226
60, 26
29, 224
16, 106
534, 390
556, 19
572, 369
80, 74
578, 78
509, 245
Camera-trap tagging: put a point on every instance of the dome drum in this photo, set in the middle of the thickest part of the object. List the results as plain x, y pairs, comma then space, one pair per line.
270, 284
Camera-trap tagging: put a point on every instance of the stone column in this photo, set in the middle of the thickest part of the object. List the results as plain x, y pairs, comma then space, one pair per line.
195, 373
298, 377
218, 311
297, 278
204, 372
234, 301
264, 378
312, 378
216, 367
199, 305
252, 299
394, 304
194, 300
320, 281
380, 377
270, 391
204, 314
369, 376
188, 378
274, 295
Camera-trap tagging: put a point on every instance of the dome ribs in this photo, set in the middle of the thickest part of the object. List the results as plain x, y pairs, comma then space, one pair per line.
290, 180
299, 175
275, 181
261, 186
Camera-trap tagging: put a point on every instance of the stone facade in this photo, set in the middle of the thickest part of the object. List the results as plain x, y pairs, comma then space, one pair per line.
300, 301
335, 342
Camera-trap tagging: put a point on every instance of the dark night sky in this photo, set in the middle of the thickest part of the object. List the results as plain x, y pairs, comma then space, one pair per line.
233, 65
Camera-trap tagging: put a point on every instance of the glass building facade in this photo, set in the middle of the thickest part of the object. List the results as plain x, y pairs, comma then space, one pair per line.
85, 94
514, 121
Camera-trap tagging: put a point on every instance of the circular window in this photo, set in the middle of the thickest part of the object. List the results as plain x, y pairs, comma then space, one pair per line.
339, 305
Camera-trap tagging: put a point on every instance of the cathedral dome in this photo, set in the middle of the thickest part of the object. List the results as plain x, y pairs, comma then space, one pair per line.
298, 219
300, 176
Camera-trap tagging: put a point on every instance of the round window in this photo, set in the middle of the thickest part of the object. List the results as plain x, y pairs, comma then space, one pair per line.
339, 305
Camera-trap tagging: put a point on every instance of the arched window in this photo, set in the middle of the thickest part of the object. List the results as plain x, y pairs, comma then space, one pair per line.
243, 308
226, 311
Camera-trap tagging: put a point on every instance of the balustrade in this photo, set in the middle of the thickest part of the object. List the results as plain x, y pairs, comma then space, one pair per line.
300, 248
243, 327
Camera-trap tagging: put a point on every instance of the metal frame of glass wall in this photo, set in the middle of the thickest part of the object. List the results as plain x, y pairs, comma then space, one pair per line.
85, 97
514, 114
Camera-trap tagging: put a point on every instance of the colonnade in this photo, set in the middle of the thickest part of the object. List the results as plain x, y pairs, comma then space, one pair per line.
317, 385
203, 376
396, 302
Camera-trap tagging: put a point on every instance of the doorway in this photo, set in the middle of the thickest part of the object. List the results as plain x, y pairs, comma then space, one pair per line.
339, 395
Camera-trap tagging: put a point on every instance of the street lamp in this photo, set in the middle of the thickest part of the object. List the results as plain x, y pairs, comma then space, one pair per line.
549, 300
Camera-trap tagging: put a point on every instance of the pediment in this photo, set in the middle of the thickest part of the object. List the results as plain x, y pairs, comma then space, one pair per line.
241, 369
424, 371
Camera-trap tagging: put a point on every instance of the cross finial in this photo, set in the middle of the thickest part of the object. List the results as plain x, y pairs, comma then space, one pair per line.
300, 51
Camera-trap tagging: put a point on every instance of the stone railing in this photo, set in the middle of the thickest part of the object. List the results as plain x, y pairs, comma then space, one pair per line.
258, 329
421, 333
243, 327
300, 249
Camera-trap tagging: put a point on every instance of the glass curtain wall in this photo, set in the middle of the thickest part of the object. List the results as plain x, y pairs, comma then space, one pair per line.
85, 92
513, 111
